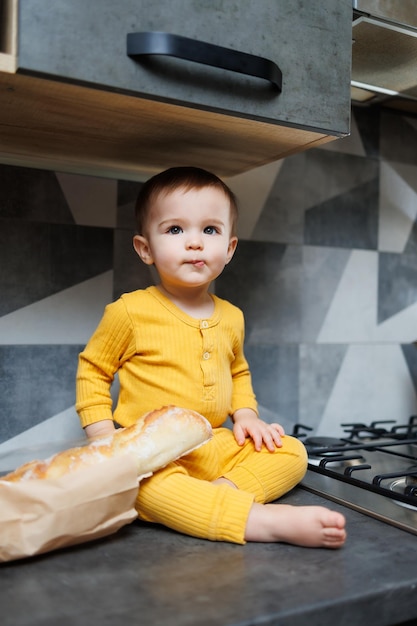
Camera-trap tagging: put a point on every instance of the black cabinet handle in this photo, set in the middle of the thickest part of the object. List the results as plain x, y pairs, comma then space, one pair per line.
146, 43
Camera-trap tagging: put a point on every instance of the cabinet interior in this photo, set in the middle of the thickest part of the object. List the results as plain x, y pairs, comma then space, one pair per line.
8, 35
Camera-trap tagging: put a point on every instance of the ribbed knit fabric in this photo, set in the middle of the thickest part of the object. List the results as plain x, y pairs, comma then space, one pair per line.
181, 496
265, 474
163, 356
193, 506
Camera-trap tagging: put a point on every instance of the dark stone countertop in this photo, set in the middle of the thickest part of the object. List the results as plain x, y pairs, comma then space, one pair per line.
149, 575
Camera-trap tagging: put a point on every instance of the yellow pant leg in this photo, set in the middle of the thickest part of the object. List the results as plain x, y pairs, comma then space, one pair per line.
182, 496
194, 506
267, 475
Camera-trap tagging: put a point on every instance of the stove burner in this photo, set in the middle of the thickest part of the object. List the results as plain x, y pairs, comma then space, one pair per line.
323, 442
323, 447
320, 447
406, 484
401, 485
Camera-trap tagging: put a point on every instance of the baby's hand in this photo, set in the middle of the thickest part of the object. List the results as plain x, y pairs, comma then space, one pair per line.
247, 424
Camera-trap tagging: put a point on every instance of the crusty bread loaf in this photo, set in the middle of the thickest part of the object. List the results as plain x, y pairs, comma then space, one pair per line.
156, 439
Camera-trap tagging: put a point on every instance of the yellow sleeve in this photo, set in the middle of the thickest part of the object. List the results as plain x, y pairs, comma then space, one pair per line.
243, 395
111, 344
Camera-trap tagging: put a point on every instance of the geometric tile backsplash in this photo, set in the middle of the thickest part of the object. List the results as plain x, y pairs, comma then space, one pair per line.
326, 277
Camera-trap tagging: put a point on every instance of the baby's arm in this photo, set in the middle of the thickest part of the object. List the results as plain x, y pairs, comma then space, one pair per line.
111, 342
100, 429
247, 424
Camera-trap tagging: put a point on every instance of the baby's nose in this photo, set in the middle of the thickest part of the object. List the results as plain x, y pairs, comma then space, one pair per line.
194, 242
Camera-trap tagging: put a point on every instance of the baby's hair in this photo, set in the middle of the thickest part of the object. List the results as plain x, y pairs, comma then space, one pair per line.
186, 178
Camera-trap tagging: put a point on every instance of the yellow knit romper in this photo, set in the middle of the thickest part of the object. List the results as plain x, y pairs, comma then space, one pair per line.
163, 356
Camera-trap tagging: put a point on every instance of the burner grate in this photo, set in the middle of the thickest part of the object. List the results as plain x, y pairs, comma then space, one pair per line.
373, 469
408, 497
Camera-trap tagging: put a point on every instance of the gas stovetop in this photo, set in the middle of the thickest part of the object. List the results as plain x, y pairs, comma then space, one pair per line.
372, 470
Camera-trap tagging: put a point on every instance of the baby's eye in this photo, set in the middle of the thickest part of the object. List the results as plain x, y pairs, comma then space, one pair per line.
211, 230
175, 230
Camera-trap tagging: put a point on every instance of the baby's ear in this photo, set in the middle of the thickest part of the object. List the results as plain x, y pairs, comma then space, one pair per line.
231, 249
142, 248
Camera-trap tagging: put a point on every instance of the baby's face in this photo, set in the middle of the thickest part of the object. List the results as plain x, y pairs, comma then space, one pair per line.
189, 236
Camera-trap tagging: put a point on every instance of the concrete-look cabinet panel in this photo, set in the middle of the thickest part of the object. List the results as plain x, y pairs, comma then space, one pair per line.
309, 41
73, 100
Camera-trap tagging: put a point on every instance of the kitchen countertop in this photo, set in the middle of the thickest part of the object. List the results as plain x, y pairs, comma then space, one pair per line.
147, 574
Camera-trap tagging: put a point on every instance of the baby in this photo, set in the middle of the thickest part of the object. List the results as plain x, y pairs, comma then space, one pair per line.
177, 343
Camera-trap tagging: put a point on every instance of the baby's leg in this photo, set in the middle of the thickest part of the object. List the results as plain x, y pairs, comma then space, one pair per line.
309, 526
193, 506
269, 476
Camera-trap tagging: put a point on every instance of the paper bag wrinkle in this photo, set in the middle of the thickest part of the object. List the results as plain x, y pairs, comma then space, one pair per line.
38, 516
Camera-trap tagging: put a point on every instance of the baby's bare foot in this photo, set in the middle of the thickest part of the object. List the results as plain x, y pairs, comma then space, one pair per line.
309, 526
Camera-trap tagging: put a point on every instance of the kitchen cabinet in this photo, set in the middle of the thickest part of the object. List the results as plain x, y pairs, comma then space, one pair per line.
72, 98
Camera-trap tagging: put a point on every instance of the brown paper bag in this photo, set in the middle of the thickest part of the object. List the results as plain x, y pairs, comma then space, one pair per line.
38, 516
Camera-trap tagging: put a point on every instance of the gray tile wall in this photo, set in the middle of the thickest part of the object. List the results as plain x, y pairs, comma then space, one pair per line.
326, 275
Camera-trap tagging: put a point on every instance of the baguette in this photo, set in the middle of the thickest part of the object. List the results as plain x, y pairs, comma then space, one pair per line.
156, 439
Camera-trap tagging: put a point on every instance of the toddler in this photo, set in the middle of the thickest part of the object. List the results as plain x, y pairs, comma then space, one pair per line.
177, 343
